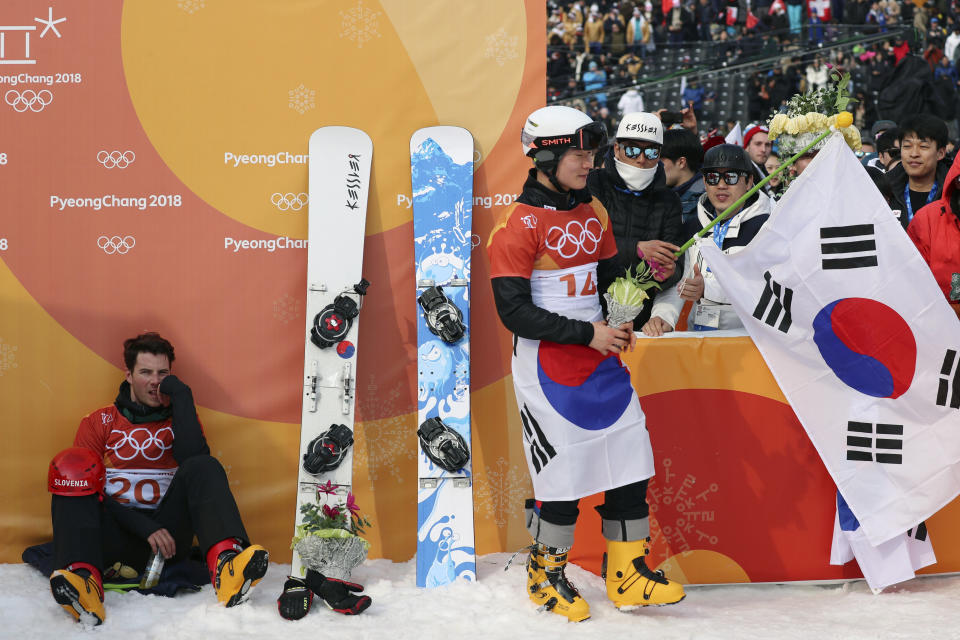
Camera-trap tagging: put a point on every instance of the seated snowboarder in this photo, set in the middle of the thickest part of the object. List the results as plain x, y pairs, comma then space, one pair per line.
140, 479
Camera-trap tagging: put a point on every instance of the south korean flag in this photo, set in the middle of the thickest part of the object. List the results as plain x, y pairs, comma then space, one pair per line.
860, 338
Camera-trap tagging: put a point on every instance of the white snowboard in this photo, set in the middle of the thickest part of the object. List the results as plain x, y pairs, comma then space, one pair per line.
340, 160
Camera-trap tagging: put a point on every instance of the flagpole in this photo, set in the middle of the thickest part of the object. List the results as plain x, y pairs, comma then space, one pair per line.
733, 207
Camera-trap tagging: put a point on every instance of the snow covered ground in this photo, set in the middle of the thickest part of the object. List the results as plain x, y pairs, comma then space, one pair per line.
496, 607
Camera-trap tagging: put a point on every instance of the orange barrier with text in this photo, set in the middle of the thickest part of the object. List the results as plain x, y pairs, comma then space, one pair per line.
740, 493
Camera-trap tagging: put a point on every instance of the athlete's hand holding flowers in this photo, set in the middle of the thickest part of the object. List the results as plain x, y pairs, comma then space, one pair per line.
608, 339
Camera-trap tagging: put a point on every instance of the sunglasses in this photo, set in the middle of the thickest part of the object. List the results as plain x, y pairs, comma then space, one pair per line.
633, 152
712, 178
894, 153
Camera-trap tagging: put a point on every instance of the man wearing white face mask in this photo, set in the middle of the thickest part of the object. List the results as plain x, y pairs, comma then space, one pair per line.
645, 214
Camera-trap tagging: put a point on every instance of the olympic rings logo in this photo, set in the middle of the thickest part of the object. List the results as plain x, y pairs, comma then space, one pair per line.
116, 244
29, 99
575, 237
118, 159
289, 201
151, 447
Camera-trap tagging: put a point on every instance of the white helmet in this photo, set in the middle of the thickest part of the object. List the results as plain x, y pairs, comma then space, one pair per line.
551, 131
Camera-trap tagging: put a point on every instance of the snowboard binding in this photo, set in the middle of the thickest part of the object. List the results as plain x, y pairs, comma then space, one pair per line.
445, 447
443, 317
333, 323
326, 451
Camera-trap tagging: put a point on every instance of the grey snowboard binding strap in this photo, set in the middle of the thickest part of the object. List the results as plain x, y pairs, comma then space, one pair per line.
326, 451
445, 447
333, 323
443, 317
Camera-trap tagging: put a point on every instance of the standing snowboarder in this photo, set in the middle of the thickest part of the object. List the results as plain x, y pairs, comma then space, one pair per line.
584, 431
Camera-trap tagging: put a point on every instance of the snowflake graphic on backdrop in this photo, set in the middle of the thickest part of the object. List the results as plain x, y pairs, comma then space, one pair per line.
191, 6
302, 99
501, 491
8, 358
359, 24
382, 443
501, 46
682, 514
286, 308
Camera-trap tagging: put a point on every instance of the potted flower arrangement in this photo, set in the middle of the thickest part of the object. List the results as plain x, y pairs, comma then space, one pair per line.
328, 539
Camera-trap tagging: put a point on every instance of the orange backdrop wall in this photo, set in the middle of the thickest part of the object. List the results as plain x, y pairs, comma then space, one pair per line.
142, 141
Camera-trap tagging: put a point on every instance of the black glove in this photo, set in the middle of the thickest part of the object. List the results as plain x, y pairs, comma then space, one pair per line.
338, 594
295, 601
172, 385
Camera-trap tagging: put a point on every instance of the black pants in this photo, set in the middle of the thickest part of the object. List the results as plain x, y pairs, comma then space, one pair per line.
628, 502
197, 502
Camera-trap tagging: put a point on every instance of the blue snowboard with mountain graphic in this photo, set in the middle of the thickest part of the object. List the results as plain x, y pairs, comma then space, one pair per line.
441, 164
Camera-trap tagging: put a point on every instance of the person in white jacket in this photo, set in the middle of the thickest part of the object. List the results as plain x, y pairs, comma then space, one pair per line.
727, 176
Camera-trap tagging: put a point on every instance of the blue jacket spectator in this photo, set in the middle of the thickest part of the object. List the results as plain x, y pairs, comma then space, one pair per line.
596, 78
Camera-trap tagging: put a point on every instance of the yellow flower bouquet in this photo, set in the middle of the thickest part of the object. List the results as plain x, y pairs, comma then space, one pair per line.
810, 114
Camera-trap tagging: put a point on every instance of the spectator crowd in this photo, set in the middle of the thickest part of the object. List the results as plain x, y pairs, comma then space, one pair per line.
901, 56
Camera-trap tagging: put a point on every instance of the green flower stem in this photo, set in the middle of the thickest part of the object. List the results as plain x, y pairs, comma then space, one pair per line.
733, 207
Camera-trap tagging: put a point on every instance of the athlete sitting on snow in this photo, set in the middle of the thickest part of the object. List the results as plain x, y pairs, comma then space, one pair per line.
584, 431
161, 488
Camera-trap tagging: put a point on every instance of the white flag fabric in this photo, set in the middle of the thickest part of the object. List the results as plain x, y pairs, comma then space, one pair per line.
896, 560
860, 339
735, 136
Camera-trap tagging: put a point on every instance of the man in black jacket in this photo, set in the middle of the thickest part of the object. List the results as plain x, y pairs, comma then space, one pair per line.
920, 176
645, 214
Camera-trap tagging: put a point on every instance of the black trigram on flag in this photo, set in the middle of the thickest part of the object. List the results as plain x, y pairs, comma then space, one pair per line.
849, 247
541, 452
949, 384
920, 533
774, 304
861, 444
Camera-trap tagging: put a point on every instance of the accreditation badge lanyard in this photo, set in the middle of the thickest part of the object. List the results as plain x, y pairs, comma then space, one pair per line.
906, 198
720, 232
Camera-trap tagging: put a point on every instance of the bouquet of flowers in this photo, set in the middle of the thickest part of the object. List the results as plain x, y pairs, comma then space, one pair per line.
625, 297
327, 540
810, 114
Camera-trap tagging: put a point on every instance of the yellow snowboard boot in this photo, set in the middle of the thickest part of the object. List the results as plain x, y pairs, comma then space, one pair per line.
549, 588
237, 573
630, 582
80, 595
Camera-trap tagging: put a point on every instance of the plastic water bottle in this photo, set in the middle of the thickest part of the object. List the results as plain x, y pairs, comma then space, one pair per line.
151, 575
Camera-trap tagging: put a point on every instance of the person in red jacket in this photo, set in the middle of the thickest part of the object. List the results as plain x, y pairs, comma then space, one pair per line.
161, 487
935, 230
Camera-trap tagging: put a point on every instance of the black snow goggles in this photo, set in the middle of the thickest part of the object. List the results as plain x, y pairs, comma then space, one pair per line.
590, 136
712, 178
633, 151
